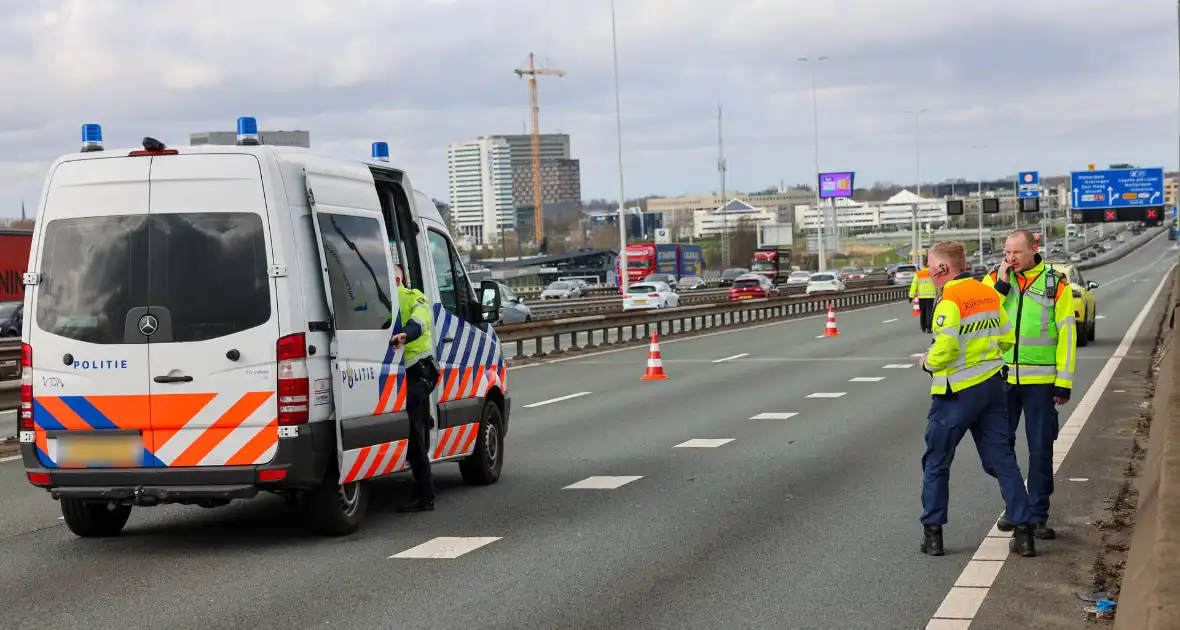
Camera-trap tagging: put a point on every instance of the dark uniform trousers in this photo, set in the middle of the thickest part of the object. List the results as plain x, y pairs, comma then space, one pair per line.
926, 308
421, 379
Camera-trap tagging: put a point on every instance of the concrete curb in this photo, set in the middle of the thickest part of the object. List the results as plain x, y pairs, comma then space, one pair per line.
1150, 598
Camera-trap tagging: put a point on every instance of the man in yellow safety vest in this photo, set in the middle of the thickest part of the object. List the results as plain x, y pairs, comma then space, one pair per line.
1040, 375
971, 330
923, 288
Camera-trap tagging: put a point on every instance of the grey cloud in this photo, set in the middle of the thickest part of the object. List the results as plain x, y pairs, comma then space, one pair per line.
1047, 83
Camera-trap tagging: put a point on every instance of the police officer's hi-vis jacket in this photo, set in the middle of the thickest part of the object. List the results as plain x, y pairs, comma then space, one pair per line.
923, 286
1041, 303
416, 316
971, 333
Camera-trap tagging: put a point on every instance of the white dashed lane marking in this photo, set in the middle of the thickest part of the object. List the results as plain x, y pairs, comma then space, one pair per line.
446, 547
898, 366
736, 356
866, 379
826, 394
773, 415
553, 400
889, 321
704, 443
602, 483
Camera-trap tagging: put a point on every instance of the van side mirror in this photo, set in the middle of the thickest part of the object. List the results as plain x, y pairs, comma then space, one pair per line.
1091, 285
489, 293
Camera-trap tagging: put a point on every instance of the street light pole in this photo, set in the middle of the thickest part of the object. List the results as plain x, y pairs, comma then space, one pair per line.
623, 284
917, 242
978, 147
821, 213
721, 168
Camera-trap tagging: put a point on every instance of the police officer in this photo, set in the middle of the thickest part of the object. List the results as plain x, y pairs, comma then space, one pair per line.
971, 330
421, 379
923, 288
1040, 375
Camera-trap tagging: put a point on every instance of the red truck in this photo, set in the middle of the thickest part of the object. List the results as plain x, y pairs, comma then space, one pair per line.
772, 261
676, 259
14, 261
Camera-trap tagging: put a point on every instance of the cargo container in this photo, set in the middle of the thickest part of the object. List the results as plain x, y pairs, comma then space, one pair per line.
14, 261
676, 259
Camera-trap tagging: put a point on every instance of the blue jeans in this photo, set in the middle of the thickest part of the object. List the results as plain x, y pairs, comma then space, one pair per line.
979, 409
1041, 431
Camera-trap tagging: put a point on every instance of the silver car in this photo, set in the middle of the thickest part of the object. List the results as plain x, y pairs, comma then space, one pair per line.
688, 283
562, 290
513, 310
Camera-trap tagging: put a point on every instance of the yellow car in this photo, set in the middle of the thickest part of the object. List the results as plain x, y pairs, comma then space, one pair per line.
1085, 308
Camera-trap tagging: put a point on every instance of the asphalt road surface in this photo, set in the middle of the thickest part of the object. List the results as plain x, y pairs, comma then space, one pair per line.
799, 510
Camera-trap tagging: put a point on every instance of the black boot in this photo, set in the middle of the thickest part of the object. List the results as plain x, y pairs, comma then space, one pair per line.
932, 540
1023, 542
1044, 532
417, 505
1004, 524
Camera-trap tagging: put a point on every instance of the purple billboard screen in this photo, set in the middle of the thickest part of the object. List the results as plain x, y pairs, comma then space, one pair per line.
835, 185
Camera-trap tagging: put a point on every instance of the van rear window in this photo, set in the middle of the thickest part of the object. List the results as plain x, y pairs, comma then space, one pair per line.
203, 273
93, 271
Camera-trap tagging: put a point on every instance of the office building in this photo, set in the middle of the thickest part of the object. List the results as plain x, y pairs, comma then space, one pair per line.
734, 215
680, 212
272, 138
481, 188
554, 146
561, 182
896, 214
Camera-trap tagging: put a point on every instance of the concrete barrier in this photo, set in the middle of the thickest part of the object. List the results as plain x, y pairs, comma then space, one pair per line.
1150, 596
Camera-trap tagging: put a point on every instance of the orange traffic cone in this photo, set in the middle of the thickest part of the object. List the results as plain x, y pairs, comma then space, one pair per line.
655, 367
830, 330
917, 312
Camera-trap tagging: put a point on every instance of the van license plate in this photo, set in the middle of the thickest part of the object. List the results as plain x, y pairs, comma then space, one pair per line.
118, 451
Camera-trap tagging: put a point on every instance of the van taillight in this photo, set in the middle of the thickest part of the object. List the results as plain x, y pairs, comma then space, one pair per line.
293, 381
26, 387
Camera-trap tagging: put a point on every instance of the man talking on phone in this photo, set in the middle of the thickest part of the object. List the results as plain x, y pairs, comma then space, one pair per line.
1038, 299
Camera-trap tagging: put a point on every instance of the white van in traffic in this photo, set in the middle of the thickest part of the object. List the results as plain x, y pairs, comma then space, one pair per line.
208, 323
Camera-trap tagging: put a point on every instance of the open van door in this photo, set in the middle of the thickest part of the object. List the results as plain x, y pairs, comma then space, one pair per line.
368, 383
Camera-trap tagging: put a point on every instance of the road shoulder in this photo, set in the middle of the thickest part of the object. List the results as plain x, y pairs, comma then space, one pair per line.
1093, 507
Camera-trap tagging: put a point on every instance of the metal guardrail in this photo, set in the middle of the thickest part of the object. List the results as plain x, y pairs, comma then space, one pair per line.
551, 309
9, 396
565, 333
9, 360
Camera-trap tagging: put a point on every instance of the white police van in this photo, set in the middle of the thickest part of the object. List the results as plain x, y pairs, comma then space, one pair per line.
208, 323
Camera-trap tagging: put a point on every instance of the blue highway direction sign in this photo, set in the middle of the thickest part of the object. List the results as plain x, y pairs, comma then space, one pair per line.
1117, 188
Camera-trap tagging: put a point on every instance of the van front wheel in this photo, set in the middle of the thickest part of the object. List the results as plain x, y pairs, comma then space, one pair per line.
92, 519
484, 466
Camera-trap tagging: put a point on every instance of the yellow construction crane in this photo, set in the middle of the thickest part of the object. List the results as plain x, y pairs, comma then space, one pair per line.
532, 73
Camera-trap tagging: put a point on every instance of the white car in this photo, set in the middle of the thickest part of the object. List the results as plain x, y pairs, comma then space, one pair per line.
1075, 258
799, 277
650, 295
824, 283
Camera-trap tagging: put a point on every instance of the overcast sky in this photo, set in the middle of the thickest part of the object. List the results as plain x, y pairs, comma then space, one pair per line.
1048, 85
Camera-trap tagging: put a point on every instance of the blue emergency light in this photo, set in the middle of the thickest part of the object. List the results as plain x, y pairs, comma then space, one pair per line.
247, 131
91, 138
381, 151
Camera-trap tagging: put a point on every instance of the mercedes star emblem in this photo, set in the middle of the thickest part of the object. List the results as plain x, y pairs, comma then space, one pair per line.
148, 325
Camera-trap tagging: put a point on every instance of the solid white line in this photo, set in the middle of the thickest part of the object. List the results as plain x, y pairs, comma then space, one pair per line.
963, 603
889, 321
553, 400
736, 356
13, 458
727, 331
826, 394
866, 379
898, 366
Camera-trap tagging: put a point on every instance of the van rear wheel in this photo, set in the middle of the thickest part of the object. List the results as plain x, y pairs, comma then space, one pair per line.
338, 510
92, 519
484, 466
